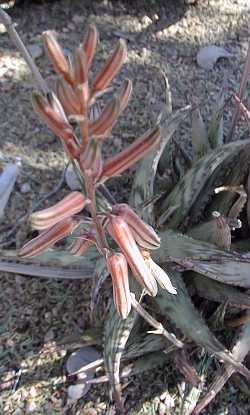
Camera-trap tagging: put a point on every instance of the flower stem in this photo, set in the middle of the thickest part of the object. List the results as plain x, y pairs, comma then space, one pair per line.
90, 191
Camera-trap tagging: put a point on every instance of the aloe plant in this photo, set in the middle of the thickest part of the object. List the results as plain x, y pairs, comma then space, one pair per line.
172, 244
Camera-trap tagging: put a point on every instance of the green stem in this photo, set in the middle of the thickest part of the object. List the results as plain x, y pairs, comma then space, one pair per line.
91, 195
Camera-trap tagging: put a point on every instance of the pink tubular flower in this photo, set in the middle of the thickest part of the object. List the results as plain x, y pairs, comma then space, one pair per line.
143, 233
67, 207
48, 238
130, 155
118, 268
120, 232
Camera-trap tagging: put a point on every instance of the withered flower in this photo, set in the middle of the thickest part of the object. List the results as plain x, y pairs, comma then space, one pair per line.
159, 274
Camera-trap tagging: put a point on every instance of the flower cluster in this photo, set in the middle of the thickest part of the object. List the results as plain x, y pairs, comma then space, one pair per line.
73, 101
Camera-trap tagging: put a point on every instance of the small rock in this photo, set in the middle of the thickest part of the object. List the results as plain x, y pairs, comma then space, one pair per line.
208, 56
146, 20
71, 179
35, 50
31, 407
33, 392
2, 28
76, 361
162, 409
25, 188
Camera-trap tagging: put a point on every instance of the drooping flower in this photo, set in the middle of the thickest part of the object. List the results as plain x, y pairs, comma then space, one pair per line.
121, 233
48, 238
118, 269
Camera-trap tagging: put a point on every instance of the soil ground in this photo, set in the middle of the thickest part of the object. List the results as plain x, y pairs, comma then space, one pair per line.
38, 313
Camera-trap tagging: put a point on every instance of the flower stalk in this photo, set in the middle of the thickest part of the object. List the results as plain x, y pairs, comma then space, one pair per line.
74, 100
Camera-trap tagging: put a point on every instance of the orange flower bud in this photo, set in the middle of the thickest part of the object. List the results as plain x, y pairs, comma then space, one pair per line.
56, 55
124, 94
89, 43
67, 97
118, 269
121, 233
143, 233
68, 206
80, 67
111, 67
82, 91
130, 155
91, 160
48, 238
52, 113
101, 127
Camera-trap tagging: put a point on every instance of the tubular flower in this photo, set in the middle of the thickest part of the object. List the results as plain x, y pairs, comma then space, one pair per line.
143, 233
56, 55
130, 155
111, 67
101, 127
67, 207
118, 269
89, 43
91, 160
121, 233
68, 97
48, 238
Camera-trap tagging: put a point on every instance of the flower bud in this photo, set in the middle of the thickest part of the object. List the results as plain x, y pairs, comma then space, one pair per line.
118, 269
89, 43
130, 155
111, 67
67, 207
67, 97
101, 127
48, 238
124, 94
56, 55
52, 113
91, 160
80, 67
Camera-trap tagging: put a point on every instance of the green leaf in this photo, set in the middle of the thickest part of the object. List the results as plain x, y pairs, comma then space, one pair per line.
217, 291
50, 264
143, 186
194, 190
215, 132
200, 142
183, 314
204, 258
116, 334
